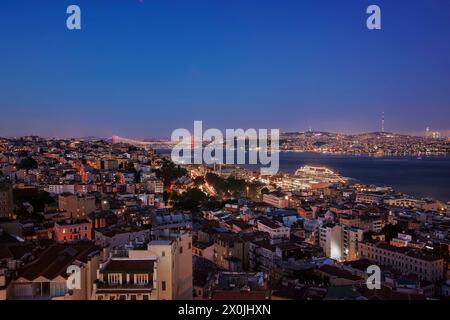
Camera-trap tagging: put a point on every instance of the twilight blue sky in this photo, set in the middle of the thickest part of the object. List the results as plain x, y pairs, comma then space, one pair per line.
141, 68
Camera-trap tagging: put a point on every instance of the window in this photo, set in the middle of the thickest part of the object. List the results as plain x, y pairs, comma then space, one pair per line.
114, 278
163, 285
189, 245
100, 298
123, 297
163, 253
141, 278
133, 297
145, 297
181, 249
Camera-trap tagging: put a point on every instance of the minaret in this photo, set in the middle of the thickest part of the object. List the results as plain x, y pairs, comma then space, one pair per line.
382, 122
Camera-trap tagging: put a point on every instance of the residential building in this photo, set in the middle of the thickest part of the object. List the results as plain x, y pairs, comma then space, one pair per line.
277, 199
405, 260
46, 277
126, 279
73, 230
275, 229
78, 206
230, 252
173, 254
6, 201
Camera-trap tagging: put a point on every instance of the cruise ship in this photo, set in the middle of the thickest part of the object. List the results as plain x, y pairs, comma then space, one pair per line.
313, 170
318, 173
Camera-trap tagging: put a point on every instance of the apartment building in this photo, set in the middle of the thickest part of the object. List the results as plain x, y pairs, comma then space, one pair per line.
108, 164
126, 279
6, 201
77, 206
366, 222
276, 199
340, 242
275, 229
405, 260
173, 252
160, 271
72, 230
61, 188
402, 202
351, 239
331, 241
230, 252
369, 198
154, 186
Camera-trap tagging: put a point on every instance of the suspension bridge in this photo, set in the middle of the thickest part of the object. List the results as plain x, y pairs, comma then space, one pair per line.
141, 143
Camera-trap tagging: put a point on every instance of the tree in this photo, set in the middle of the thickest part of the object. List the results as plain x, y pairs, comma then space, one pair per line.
189, 200
199, 181
170, 172
27, 163
391, 231
38, 202
231, 186
265, 190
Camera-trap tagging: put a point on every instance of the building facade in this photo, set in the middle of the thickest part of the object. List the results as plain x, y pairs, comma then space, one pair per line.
404, 260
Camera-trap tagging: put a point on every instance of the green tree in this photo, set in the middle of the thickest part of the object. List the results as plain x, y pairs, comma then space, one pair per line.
170, 172
189, 200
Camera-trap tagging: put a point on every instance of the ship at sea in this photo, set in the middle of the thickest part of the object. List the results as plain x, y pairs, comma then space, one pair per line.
308, 176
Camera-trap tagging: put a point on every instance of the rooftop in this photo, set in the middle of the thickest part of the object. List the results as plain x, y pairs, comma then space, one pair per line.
128, 265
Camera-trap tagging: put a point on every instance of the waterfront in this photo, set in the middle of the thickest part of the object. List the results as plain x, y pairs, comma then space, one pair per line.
427, 177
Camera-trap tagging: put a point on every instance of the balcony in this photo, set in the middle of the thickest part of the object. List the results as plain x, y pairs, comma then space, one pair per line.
100, 286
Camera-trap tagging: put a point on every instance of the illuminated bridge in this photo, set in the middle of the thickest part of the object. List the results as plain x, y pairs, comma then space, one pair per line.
141, 143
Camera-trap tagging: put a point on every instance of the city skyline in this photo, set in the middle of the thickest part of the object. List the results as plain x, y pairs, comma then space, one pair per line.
444, 134
143, 69
224, 156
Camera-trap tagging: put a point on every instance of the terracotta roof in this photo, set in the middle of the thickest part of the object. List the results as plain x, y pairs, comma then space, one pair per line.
54, 260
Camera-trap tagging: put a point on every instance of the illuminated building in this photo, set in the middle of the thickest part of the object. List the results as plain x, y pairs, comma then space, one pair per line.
405, 260
71, 230
276, 199
76, 205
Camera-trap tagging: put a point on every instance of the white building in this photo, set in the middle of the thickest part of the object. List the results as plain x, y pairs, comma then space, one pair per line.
340, 242
61, 188
273, 228
173, 254
331, 241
